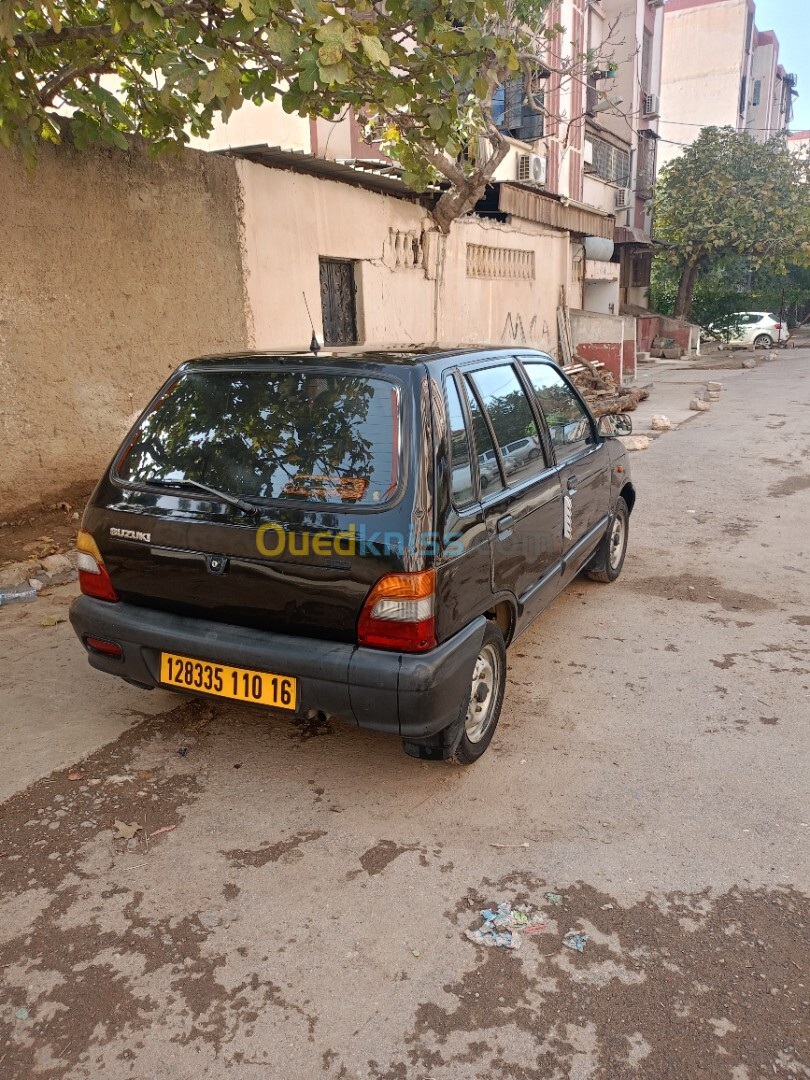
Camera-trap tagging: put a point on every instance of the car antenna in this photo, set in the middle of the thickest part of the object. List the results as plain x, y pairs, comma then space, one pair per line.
314, 347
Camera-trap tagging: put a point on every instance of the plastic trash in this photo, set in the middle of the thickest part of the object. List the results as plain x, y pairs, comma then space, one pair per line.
572, 939
503, 927
20, 594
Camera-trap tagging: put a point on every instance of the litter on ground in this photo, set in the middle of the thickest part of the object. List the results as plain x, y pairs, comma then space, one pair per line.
126, 831
504, 927
572, 939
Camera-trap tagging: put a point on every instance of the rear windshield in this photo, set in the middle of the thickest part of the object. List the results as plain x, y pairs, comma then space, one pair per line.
295, 436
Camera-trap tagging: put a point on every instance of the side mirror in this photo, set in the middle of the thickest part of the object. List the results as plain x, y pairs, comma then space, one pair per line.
615, 424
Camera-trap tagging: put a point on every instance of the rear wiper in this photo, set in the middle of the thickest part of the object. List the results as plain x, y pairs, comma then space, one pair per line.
233, 500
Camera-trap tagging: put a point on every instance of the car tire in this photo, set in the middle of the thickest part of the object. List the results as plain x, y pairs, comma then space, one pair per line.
480, 718
608, 561
763, 341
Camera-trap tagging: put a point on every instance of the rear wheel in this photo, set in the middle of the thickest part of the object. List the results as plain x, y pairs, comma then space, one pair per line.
608, 561
763, 341
483, 709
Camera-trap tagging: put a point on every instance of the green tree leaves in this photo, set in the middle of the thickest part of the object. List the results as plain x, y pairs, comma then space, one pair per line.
418, 73
728, 195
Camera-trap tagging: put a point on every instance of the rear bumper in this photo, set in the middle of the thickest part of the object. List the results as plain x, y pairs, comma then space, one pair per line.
414, 696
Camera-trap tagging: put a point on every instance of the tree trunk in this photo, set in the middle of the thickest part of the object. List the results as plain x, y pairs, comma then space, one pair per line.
686, 290
465, 191
457, 201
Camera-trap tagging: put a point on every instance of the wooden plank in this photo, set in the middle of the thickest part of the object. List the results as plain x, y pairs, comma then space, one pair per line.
565, 345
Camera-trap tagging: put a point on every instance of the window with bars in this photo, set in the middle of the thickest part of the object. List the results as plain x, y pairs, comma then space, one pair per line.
640, 270
611, 163
514, 115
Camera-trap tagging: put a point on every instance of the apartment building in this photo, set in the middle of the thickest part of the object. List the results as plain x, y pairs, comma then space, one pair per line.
621, 135
597, 142
799, 143
719, 69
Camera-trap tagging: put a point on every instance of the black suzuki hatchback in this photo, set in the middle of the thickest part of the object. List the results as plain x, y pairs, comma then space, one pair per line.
357, 536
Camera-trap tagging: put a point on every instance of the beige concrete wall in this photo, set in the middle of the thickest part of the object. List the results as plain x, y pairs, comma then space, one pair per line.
503, 310
403, 299
760, 119
702, 66
599, 193
116, 267
290, 220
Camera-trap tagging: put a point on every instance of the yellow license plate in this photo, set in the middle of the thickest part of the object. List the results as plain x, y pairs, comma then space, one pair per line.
240, 684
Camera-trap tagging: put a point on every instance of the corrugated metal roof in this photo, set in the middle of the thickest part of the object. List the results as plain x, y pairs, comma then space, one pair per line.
384, 177
568, 215
628, 235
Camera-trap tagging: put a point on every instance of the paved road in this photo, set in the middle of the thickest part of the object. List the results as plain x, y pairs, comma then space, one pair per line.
305, 915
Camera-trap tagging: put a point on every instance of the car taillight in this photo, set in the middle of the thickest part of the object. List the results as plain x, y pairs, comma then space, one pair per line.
93, 577
109, 648
777, 326
399, 613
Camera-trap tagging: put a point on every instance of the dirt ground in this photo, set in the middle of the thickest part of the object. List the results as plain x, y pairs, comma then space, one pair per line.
295, 901
44, 528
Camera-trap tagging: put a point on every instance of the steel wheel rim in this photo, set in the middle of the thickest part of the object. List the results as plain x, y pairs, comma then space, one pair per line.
483, 695
616, 543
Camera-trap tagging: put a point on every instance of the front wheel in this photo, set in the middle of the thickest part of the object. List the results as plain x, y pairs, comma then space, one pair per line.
483, 708
763, 341
608, 561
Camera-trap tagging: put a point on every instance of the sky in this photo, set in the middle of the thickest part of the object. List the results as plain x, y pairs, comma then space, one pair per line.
790, 19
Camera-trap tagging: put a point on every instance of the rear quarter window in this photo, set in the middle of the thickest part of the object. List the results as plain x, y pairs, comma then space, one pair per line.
298, 437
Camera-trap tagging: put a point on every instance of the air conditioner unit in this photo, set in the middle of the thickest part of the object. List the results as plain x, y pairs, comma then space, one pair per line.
624, 198
651, 106
588, 152
531, 169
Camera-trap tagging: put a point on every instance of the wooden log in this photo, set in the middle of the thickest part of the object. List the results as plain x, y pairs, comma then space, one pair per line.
618, 403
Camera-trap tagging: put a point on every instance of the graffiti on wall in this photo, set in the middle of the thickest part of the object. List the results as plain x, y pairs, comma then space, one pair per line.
515, 332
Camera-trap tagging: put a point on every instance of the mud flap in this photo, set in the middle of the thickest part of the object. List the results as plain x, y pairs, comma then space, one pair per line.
438, 747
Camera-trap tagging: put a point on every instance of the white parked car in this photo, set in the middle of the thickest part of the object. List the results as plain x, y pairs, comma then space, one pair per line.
747, 329
520, 451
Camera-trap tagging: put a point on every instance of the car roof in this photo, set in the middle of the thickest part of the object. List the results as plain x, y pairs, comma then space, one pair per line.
396, 357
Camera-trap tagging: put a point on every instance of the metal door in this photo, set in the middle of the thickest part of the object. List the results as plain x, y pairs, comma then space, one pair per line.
338, 302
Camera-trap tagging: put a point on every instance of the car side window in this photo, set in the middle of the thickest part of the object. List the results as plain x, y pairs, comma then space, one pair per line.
568, 422
489, 474
460, 461
512, 420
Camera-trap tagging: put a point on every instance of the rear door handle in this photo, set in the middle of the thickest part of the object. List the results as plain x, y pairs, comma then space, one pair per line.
572, 485
504, 525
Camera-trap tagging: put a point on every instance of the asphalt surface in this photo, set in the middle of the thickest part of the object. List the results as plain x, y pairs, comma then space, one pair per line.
295, 904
